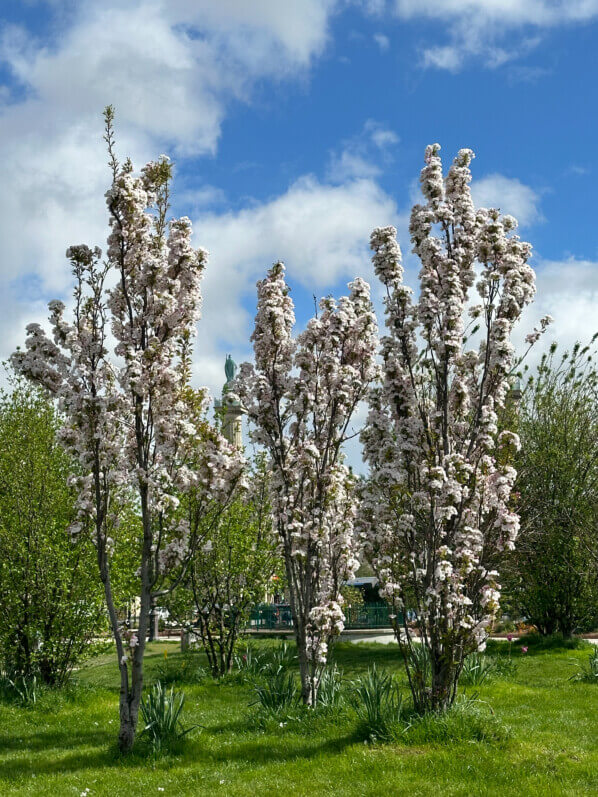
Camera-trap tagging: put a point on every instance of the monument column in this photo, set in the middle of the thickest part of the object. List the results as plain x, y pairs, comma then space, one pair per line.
229, 408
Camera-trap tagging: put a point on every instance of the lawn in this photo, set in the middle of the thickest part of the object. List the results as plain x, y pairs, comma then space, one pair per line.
65, 743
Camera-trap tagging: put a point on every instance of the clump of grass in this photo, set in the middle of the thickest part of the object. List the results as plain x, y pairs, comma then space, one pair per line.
22, 689
330, 692
504, 666
479, 668
250, 662
378, 704
161, 711
476, 669
280, 659
253, 664
467, 720
277, 694
588, 672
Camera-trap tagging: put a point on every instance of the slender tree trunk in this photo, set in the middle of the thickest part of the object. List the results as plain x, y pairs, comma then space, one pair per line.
307, 695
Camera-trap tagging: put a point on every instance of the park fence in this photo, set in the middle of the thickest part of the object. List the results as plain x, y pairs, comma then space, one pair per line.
277, 617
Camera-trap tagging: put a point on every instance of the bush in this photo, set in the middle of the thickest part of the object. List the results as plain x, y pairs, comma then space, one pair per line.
536, 643
51, 601
378, 705
161, 712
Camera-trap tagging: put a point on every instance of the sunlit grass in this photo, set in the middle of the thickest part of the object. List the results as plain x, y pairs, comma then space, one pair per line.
66, 743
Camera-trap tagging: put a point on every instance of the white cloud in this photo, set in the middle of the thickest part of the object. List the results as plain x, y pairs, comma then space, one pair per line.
171, 67
496, 31
320, 231
568, 291
510, 195
382, 41
362, 155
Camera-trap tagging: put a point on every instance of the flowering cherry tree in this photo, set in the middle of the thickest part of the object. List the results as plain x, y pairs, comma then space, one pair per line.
300, 396
436, 504
126, 417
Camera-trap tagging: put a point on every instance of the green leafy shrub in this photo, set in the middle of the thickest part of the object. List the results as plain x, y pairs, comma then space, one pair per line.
536, 643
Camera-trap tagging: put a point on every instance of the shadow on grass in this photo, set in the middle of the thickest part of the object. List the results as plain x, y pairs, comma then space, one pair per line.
66, 752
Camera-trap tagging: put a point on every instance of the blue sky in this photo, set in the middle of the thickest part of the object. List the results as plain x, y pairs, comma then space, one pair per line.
297, 127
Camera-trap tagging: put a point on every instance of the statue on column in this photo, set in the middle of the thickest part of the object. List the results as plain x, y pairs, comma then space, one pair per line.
229, 408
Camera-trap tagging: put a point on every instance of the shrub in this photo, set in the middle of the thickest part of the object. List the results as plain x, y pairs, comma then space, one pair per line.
537, 643
161, 711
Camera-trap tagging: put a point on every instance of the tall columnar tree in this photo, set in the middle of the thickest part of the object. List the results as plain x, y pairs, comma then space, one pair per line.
300, 396
126, 416
437, 501
553, 578
50, 602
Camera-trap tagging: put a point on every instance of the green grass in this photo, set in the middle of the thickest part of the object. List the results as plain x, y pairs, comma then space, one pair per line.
66, 742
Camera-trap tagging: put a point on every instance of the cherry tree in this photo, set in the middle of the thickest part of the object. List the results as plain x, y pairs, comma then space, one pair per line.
436, 504
300, 396
127, 416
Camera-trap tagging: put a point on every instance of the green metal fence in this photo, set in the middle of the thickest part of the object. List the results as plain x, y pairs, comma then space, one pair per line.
278, 617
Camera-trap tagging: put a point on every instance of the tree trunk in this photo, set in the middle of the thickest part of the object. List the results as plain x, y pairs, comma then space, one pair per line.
308, 692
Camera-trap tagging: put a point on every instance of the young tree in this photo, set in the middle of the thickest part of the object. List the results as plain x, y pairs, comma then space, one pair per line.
438, 496
553, 577
229, 573
300, 397
126, 417
50, 603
